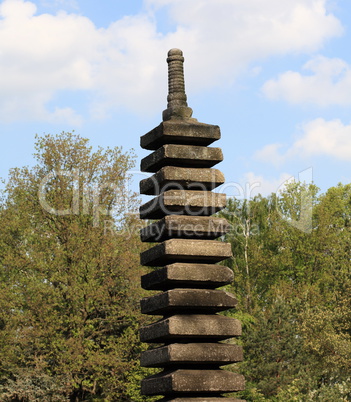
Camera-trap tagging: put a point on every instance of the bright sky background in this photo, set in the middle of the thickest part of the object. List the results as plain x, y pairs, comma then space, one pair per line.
275, 75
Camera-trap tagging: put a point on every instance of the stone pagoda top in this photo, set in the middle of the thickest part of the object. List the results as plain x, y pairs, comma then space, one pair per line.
177, 107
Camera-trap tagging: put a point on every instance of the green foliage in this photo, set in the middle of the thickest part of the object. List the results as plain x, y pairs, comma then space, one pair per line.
69, 284
292, 278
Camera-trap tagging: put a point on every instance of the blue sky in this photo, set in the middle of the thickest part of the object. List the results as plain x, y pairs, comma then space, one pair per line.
275, 75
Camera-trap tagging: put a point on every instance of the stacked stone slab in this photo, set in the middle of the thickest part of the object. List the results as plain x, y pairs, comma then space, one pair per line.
191, 332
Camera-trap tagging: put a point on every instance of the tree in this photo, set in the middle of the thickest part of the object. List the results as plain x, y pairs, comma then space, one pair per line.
250, 221
275, 356
69, 270
292, 277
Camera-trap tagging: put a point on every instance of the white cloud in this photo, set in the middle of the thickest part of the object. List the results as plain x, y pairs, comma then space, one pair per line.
329, 83
67, 115
40, 55
318, 138
270, 153
265, 186
251, 184
321, 137
124, 64
225, 35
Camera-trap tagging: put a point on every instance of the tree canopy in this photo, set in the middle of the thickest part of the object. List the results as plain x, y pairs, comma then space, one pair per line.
69, 274
293, 283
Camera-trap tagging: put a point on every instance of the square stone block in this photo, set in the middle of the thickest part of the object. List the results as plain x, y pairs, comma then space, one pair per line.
184, 250
183, 327
188, 301
201, 399
188, 132
180, 275
193, 354
186, 227
183, 202
192, 381
178, 178
181, 156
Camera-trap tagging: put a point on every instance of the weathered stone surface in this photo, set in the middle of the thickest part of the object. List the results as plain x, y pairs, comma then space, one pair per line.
187, 132
181, 250
192, 381
177, 107
182, 184
186, 227
183, 202
201, 399
187, 327
188, 301
182, 156
195, 354
187, 276
178, 178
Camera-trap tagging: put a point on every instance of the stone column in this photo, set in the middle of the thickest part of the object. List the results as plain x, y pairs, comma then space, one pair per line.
191, 332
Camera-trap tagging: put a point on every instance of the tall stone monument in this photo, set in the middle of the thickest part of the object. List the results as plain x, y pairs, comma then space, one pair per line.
191, 336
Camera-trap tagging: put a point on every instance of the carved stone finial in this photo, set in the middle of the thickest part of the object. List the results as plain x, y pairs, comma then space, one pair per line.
177, 107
